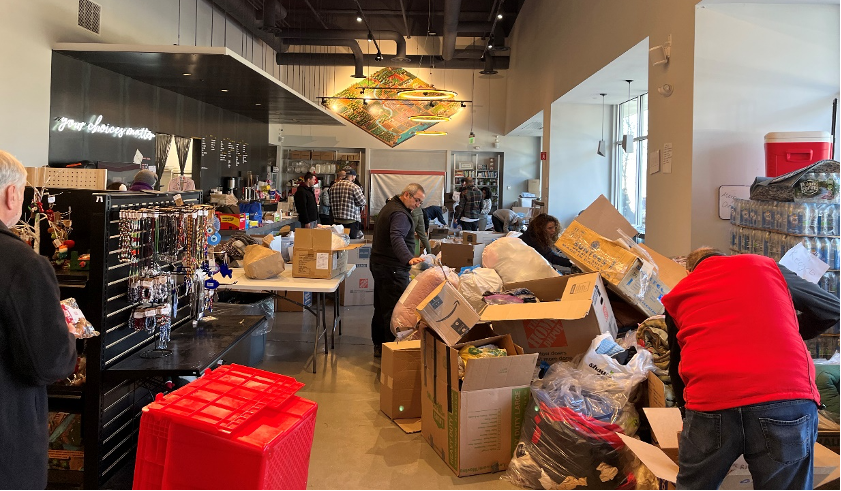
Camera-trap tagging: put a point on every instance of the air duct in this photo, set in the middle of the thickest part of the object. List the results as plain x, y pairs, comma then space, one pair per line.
350, 43
450, 30
333, 59
350, 34
271, 15
489, 65
246, 16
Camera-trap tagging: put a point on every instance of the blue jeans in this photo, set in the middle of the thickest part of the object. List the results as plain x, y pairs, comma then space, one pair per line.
777, 439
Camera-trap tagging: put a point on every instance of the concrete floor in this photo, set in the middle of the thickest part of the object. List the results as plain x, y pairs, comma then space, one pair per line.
356, 446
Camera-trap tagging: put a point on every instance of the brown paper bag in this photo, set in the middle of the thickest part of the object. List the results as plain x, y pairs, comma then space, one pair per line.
261, 263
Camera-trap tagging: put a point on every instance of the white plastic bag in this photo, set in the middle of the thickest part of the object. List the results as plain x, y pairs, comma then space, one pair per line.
428, 262
475, 282
598, 360
514, 260
405, 317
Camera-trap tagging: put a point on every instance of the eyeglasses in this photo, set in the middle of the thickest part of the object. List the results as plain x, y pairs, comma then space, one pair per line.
418, 201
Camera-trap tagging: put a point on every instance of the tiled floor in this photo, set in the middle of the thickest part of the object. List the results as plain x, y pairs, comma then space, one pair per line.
356, 446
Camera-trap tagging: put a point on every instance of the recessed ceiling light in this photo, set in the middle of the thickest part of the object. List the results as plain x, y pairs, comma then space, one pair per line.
224, 90
258, 104
358, 18
186, 74
499, 16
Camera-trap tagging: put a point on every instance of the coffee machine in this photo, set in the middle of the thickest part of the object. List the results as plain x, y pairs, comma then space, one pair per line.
231, 185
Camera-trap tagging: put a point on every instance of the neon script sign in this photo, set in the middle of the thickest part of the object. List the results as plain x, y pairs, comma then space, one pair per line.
97, 126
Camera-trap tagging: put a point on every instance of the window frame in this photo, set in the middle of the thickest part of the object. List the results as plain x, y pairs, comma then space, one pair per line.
640, 158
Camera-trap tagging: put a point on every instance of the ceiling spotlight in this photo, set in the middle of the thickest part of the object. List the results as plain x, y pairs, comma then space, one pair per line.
186, 74
364, 102
258, 104
358, 18
499, 16
463, 105
379, 56
490, 43
370, 36
224, 90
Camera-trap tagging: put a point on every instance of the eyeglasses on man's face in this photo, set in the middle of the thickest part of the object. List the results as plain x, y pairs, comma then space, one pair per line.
418, 200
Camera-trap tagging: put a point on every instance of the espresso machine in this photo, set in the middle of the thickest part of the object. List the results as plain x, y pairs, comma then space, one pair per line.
231, 185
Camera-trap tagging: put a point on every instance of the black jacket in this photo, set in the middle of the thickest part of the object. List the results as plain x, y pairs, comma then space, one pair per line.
305, 204
817, 311
553, 257
36, 349
394, 235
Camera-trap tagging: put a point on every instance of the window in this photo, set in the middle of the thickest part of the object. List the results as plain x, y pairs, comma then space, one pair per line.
631, 167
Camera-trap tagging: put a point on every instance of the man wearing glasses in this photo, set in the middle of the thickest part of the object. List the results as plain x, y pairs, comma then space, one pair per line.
391, 259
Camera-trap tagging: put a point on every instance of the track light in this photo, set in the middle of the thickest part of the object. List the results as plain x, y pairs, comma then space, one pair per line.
499, 16
379, 56
370, 36
359, 18
490, 43
463, 105
364, 102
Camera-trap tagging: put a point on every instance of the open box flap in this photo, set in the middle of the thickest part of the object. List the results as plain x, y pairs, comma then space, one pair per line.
666, 423
655, 459
495, 373
566, 310
604, 219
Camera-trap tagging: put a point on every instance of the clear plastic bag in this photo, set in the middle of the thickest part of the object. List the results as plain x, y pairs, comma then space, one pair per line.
569, 437
476, 282
76, 321
513, 260
404, 317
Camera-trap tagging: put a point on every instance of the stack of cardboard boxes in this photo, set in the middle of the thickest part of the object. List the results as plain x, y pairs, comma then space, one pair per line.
474, 423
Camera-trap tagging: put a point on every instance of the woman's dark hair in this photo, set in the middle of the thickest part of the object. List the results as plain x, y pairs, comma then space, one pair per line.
537, 230
486, 192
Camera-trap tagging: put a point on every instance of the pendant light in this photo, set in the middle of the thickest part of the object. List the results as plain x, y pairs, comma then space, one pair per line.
628, 139
602, 146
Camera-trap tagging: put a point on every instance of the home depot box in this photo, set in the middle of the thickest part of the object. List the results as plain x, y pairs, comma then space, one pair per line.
474, 424
572, 311
459, 256
400, 380
666, 423
301, 299
358, 287
313, 256
480, 237
231, 221
641, 276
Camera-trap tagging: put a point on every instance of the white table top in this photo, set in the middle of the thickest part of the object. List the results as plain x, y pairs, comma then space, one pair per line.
284, 281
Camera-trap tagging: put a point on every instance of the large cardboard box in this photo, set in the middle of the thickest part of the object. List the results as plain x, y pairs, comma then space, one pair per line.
474, 424
641, 276
661, 460
300, 154
313, 256
573, 310
447, 313
400, 380
302, 299
358, 287
459, 256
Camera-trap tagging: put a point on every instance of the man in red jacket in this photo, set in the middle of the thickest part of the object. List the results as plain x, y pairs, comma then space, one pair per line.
749, 379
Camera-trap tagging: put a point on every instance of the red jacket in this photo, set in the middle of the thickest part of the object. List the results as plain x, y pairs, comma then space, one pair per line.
738, 335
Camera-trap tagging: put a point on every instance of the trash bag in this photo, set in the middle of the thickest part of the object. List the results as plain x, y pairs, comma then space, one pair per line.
602, 358
513, 260
474, 283
405, 317
569, 438
428, 262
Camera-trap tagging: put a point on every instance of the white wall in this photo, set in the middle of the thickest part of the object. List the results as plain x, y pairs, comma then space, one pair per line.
556, 45
28, 30
577, 174
758, 69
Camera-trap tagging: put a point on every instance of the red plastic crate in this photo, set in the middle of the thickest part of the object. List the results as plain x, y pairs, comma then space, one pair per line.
234, 428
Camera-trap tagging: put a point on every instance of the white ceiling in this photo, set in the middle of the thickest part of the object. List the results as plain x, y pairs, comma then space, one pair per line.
631, 65
532, 127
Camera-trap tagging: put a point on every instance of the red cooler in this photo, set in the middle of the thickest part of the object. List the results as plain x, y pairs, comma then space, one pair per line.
786, 152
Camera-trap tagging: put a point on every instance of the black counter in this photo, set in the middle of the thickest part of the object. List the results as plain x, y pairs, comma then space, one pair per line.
194, 348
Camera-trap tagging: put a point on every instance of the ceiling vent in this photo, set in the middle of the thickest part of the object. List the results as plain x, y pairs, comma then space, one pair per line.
89, 14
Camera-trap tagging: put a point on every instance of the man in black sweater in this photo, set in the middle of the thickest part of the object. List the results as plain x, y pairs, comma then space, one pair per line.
391, 259
305, 202
36, 348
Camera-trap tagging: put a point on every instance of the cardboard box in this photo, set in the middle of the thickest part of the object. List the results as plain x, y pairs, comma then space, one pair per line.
661, 460
400, 380
358, 287
304, 298
573, 310
592, 242
323, 155
230, 221
66, 449
313, 256
474, 425
459, 256
480, 237
300, 154
447, 313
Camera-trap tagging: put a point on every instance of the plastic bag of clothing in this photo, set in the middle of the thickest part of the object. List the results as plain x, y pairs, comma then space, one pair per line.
653, 336
605, 357
569, 437
470, 352
515, 261
405, 317
474, 283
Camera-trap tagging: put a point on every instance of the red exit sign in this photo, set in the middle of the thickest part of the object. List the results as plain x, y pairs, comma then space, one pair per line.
542, 155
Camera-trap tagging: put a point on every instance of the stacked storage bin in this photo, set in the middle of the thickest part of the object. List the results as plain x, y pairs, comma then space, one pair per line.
771, 228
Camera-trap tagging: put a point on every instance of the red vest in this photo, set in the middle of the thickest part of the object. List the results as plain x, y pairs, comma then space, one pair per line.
738, 335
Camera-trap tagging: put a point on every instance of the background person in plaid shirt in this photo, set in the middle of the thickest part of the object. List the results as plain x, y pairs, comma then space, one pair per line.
345, 200
470, 205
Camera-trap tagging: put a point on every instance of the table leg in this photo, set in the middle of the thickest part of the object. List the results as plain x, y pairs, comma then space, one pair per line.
324, 319
316, 328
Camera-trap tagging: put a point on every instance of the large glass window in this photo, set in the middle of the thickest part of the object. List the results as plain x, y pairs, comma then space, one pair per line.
632, 160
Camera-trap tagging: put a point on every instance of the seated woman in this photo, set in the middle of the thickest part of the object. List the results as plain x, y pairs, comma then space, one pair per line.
542, 233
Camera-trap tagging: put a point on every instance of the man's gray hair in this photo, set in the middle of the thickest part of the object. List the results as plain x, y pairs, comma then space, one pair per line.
11, 171
413, 188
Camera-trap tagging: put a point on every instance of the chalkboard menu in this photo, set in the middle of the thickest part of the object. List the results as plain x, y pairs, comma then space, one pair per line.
230, 154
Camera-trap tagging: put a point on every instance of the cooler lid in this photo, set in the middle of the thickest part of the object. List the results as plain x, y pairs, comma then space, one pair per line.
798, 136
